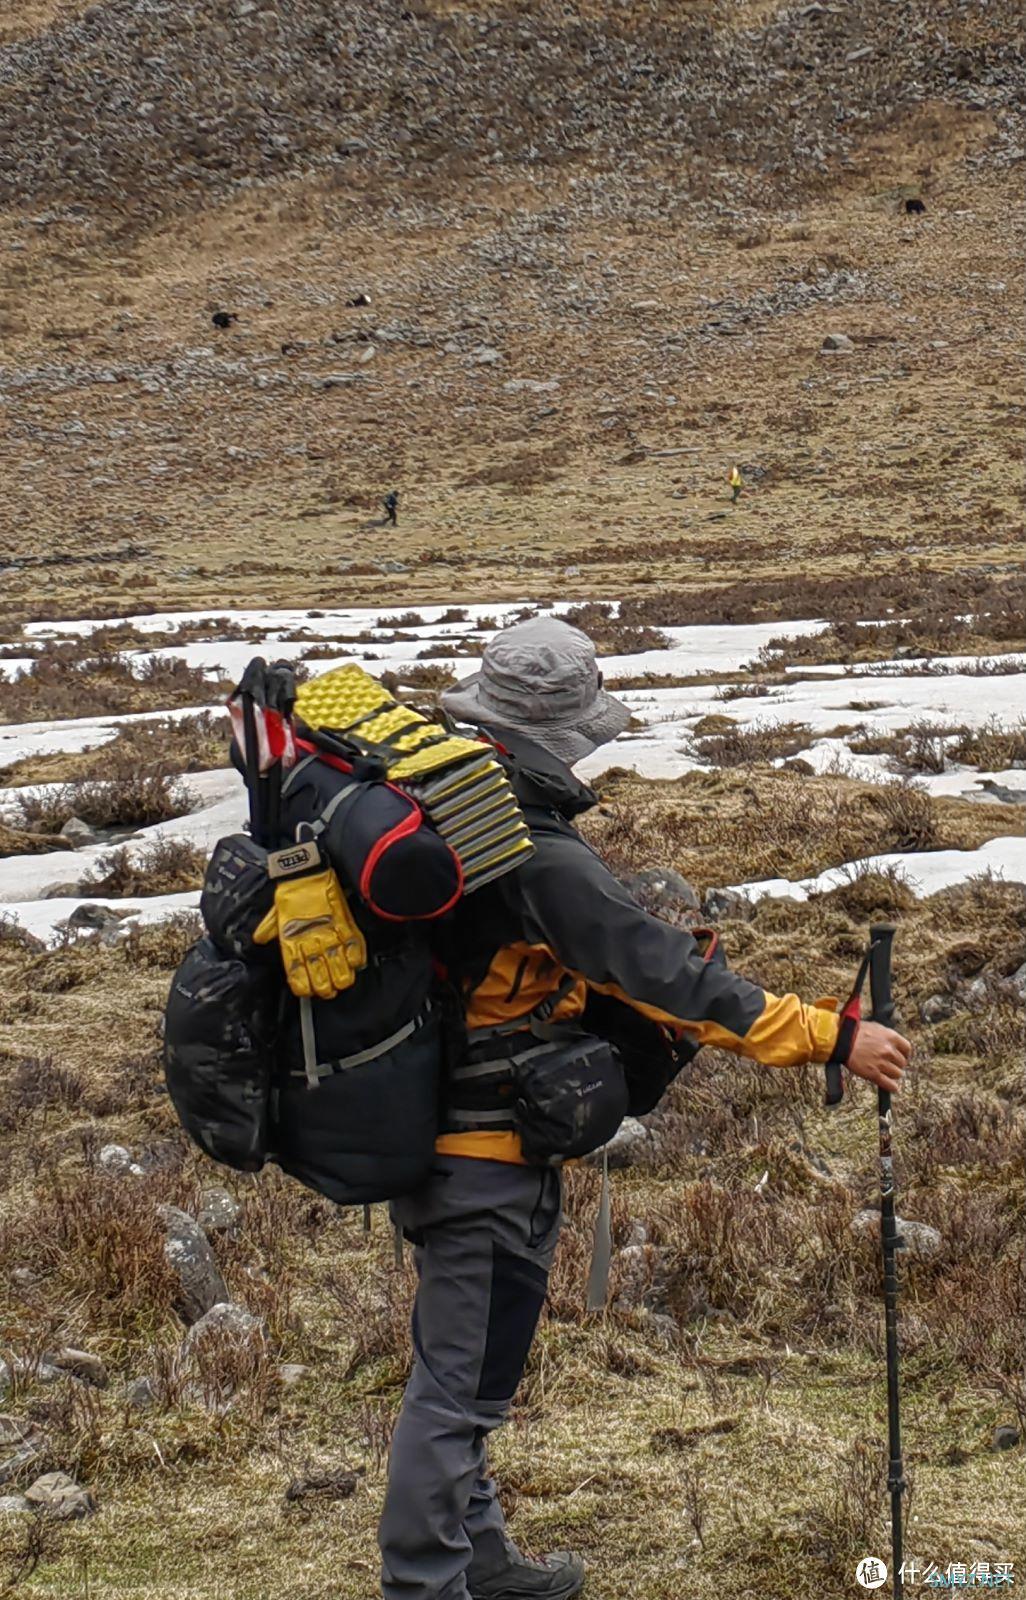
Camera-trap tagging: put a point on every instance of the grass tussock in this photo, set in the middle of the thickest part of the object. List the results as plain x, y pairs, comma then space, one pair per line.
742, 746
166, 866
138, 798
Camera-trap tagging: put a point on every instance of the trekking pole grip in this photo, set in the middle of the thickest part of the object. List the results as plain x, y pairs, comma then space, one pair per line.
881, 940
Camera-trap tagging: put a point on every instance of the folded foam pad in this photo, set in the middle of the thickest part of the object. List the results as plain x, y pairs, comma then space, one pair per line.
460, 785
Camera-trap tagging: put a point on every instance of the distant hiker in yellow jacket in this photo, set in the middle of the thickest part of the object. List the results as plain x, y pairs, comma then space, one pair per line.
736, 484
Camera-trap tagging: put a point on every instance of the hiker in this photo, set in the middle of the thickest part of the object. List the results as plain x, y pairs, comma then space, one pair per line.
559, 938
391, 505
737, 483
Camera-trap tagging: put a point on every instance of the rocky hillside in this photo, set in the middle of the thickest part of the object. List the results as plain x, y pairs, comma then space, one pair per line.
135, 106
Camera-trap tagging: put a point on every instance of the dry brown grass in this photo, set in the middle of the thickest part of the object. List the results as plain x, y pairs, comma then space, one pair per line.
733, 826
165, 866
70, 678
138, 798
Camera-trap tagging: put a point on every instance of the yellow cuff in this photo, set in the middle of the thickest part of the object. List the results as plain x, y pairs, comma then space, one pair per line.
824, 1027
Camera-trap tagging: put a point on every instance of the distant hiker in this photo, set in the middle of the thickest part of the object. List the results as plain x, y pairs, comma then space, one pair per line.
391, 505
737, 483
579, 1006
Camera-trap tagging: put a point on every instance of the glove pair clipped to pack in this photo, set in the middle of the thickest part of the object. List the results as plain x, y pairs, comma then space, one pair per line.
322, 949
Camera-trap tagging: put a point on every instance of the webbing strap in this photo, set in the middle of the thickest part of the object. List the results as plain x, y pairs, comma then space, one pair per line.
602, 1246
541, 1014
325, 1069
312, 1071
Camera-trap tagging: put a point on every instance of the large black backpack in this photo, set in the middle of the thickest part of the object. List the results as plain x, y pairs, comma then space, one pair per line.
353, 1110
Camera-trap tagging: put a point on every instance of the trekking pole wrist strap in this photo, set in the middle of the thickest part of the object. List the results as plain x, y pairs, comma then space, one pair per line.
839, 1058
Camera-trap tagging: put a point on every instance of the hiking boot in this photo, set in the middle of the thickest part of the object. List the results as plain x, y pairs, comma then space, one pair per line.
503, 1573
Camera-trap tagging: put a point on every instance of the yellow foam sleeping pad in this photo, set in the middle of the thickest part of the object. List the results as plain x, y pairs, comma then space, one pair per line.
461, 786
322, 949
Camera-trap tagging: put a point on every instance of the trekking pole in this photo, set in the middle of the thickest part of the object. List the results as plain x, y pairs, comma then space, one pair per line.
881, 937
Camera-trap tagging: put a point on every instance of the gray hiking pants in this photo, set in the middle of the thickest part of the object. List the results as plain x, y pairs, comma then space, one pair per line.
484, 1234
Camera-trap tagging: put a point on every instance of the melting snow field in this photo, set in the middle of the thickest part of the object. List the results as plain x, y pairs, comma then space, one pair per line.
833, 701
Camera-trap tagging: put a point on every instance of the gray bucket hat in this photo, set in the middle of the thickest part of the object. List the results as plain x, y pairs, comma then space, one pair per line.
542, 679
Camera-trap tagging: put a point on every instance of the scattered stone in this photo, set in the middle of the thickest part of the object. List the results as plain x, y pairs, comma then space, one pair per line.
1006, 1437
367, 354
219, 1211
918, 1238
192, 1260
726, 905
531, 385
14, 1505
348, 147
224, 1322
79, 832
63, 891
115, 1158
224, 319
625, 1145
937, 1008
291, 1373
58, 1496
141, 1393
81, 1364
1017, 980
1002, 793
342, 380
485, 355
662, 889
96, 918
330, 1484
837, 344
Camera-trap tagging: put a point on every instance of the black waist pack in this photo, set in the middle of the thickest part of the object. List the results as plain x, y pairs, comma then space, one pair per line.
570, 1095
219, 1031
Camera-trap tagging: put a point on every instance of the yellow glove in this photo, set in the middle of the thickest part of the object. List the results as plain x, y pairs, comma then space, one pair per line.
322, 948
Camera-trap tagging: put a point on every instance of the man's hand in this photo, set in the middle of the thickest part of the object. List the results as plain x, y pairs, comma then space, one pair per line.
880, 1055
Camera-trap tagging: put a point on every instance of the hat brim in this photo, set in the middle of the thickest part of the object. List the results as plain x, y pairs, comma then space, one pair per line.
571, 739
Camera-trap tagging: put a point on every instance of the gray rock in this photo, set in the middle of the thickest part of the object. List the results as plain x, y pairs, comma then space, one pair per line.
141, 1394
115, 1158
192, 1260
837, 344
726, 905
1006, 1437
81, 1364
62, 891
1002, 793
79, 832
92, 917
5, 1379
219, 1211
291, 1373
485, 355
58, 1496
14, 1505
662, 888
1018, 981
625, 1145
938, 1007
919, 1239
342, 380
224, 1323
